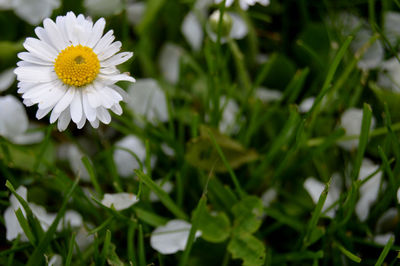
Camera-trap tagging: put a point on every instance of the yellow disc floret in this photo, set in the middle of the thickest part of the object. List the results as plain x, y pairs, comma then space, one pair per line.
77, 65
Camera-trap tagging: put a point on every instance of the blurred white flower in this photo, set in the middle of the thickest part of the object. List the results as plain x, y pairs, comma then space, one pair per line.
71, 71
148, 99
268, 197
32, 11
351, 121
306, 104
103, 7
238, 29
124, 160
167, 186
169, 62
120, 201
391, 21
369, 190
74, 156
382, 239
389, 75
7, 78
83, 239
267, 95
244, 4
350, 24
167, 149
315, 188
172, 237
72, 218
229, 123
135, 12
14, 122
193, 31
56, 260
13, 117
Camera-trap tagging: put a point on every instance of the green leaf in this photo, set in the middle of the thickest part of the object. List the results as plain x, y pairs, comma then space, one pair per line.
247, 248
385, 251
25, 226
202, 154
113, 259
214, 227
248, 215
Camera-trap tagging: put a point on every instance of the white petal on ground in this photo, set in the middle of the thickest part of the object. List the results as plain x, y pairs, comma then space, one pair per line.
193, 31
229, 123
28, 137
306, 104
391, 27
124, 160
74, 156
103, 7
135, 12
351, 121
268, 197
169, 62
398, 196
45, 218
314, 187
267, 95
172, 237
13, 117
7, 78
71, 218
167, 149
56, 260
120, 201
83, 239
148, 99
6, 4
389, 75
382, 239
11, 222
34, 11
374, 54
167, 186
369, 190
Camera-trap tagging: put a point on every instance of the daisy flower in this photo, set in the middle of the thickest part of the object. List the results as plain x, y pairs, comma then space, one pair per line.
244, 4
70, 71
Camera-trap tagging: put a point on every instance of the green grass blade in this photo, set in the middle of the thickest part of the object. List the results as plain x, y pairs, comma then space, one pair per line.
385, 251
163, 196
93, 178
37, 255
70, 250
363, 141
141, 249
106, 248
347, 253
25, 226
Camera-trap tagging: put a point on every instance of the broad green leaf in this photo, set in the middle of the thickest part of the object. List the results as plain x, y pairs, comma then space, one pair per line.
247, 248
201, 152
214, 227
248, 215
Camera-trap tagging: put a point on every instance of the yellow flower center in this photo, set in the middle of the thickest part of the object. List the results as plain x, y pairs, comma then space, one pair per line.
77, 65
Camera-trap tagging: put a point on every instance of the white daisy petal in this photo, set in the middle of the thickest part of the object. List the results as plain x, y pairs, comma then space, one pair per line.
64, 120
90, 112
27, 57
172, 237
65, 101
117, 59
7, 78
103, 115
56, 38
110, 51
40, 49
76, 107
119, 201
105, 41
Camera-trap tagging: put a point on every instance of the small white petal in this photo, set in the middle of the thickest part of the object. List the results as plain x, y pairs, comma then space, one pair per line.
193, 31
169, 62
135, 12
126, 162
116, 59
351, 121
65, 100
267, 95
103, 115
120, 201
148, 99
7, 78
63, 120
56, 260
76, 107
13, 117
172, 237
166, 186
